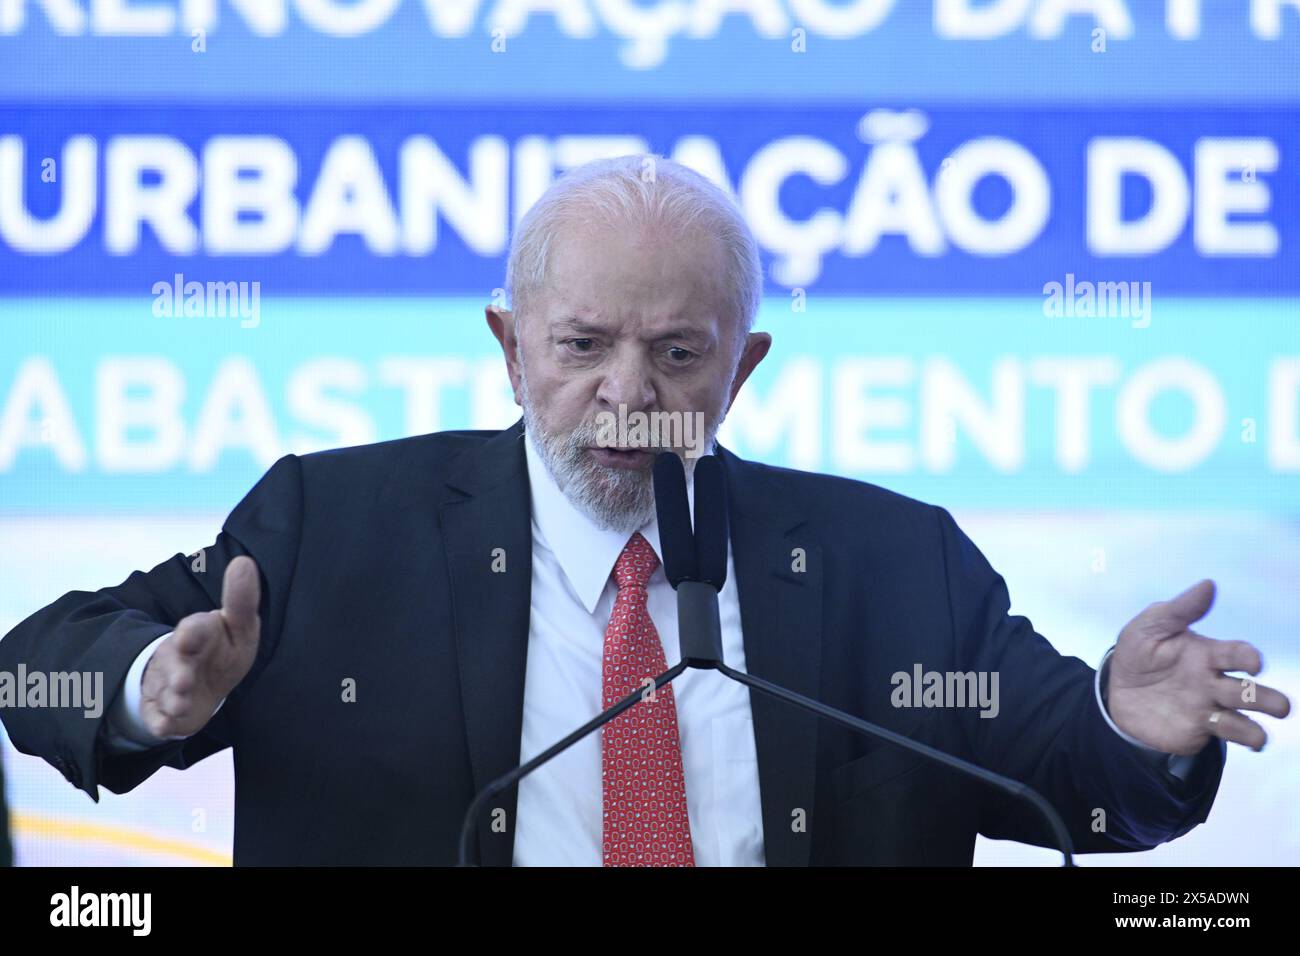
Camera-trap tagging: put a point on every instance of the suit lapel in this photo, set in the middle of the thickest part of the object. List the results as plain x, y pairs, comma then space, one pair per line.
487, 536
781, 617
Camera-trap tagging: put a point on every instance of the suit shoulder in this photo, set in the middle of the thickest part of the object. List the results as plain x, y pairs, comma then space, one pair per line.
834, 493
433, 452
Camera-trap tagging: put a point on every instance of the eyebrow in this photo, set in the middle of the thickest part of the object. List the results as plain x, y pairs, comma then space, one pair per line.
573, 323
585, 326
697, 337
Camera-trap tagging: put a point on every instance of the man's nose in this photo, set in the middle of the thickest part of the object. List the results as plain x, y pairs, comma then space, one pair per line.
626, 381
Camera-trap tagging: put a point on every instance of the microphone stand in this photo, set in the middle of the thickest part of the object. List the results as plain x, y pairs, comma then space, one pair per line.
701, 643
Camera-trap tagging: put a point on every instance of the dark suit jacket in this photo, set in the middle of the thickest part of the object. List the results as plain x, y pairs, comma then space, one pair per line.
376, 566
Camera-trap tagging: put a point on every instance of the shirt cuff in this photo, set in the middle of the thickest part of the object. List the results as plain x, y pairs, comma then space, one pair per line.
125, 730
1180, 765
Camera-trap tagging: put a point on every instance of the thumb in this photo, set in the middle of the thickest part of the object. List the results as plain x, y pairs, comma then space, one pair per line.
241, 593
1190, 606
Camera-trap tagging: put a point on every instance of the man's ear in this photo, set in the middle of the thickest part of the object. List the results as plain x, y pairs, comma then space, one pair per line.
502, 324
756, 346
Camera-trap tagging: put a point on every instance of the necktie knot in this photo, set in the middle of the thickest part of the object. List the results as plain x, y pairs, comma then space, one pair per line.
635, 565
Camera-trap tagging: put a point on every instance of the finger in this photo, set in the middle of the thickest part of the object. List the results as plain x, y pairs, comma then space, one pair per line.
1190, 606
1235, 656
183, 681
1233, 727
241, 593
1242, 693
158, 723
194, 633
174, 704
165, 705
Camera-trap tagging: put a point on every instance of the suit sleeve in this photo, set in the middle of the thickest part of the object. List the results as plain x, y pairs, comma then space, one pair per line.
1050, 733
104, 631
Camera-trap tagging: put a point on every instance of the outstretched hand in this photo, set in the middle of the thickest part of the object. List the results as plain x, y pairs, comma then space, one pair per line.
205, 657
1167, 685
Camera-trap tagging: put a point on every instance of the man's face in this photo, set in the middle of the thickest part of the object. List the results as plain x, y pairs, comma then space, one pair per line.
632, 321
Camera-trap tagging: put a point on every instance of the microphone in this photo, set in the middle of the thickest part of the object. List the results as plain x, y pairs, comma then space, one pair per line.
676, 539
695, 561
692, 555
711, 531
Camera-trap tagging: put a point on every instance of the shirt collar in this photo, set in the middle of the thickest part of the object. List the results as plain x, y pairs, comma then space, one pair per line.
586, 553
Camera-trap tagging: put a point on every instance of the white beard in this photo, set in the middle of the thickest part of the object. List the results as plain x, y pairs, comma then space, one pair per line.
615, 499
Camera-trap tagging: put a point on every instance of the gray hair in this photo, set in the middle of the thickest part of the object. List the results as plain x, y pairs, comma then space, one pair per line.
636, 190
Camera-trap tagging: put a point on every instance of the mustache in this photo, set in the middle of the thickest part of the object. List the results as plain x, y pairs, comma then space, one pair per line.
588, 434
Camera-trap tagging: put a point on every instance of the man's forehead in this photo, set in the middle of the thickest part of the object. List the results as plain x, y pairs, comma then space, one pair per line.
652, 281
632, 252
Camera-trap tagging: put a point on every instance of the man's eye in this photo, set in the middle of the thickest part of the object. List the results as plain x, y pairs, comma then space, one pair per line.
582, 345
680, 356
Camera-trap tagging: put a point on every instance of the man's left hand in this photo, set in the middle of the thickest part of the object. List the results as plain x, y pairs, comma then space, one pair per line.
1167, 685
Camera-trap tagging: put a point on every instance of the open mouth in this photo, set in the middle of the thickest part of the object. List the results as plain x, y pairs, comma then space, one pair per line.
624, 457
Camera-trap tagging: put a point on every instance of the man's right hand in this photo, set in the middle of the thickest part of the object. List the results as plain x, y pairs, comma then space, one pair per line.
205, 657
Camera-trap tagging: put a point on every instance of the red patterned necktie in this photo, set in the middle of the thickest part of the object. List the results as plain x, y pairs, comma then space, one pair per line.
642, 784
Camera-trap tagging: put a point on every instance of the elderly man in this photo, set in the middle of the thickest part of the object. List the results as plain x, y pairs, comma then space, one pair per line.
380, 631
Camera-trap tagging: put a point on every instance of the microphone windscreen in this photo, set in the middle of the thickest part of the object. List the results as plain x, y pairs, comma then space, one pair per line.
676, 539
711, 521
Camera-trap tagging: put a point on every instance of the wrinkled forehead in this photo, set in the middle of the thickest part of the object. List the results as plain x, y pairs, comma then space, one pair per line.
654, 276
